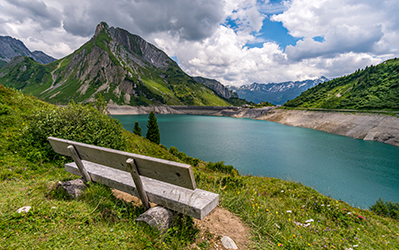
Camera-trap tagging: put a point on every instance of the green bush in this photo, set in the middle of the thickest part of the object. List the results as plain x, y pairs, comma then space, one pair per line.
77, 122
386, 208
174, 151
221, 167
182, 156
4, 110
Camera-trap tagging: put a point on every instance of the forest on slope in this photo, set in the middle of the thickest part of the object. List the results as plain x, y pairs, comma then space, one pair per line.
373, 88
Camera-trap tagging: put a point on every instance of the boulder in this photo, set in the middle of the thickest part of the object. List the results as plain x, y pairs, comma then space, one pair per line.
158, 217
73, 188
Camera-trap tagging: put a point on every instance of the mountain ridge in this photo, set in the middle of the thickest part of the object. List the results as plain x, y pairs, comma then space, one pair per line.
123, 67
217, 86
276, 93
11, 47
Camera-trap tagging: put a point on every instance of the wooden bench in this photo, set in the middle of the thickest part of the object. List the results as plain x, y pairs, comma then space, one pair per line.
166, 183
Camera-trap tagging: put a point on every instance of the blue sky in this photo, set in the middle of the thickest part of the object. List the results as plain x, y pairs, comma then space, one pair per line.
275, 32
233, 41
271, 30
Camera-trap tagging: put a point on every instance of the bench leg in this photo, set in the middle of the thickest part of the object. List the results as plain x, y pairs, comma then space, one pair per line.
76, 158
137, 181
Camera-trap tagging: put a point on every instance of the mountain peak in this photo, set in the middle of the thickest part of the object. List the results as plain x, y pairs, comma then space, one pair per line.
123, 67
101, 26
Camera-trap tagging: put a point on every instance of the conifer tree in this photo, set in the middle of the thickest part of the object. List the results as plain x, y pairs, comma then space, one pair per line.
137, 129
152, 129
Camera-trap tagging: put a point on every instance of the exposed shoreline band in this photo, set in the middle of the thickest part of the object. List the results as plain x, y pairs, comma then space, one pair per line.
364, 126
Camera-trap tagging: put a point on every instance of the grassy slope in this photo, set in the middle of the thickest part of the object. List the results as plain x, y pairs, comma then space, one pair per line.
32, 78
98, 220
376, 87
2, 63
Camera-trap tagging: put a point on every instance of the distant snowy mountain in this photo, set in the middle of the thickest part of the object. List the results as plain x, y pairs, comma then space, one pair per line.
276, 93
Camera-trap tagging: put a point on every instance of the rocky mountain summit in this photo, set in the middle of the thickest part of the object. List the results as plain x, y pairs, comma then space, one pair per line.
122, 67
276, 93
11, 47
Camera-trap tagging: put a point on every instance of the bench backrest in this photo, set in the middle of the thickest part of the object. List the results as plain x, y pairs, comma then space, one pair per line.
167, 171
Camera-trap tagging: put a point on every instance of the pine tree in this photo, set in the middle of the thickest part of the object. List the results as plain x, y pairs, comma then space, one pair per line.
137, 129
152, 129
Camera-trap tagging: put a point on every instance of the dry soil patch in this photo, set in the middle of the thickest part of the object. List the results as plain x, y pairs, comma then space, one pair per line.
220, 222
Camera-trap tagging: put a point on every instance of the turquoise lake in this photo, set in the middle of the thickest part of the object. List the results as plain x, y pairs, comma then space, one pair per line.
355, 171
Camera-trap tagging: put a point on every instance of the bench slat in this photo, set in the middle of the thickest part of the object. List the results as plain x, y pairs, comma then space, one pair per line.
167, 171
196, 203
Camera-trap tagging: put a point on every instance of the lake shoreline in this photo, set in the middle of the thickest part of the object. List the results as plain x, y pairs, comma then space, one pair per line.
363, 126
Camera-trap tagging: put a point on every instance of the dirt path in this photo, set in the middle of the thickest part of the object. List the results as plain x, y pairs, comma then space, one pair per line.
220, 222
52, 72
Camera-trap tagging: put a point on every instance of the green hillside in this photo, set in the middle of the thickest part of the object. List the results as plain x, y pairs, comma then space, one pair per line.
276, 211
121, 66
373, 88
2, 63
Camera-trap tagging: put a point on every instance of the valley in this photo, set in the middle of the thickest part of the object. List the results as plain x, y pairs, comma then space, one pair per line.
288, 110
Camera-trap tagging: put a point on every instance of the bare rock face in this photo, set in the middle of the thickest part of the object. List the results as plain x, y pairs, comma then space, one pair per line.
216, 86
73, 188
136, 46
11, 47
42, 57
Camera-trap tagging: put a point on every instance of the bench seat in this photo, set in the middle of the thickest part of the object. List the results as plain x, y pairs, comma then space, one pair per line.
196, 203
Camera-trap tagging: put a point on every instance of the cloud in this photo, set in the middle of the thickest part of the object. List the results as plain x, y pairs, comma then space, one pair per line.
271, 7
222, 57
246, 16
37, 11
338, 41
347, 26
187, 20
